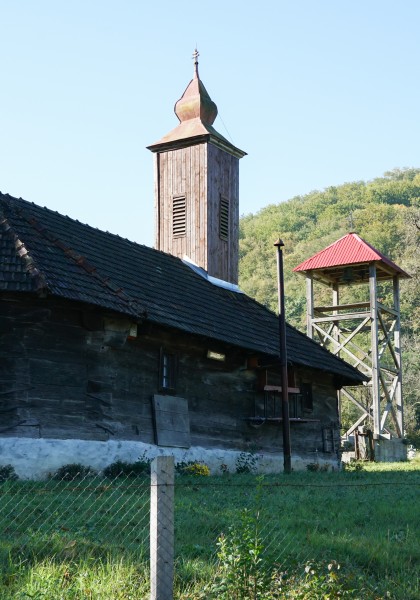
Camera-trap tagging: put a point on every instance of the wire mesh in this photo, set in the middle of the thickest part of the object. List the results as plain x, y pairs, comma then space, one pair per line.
88, 516
257, 535
337, 534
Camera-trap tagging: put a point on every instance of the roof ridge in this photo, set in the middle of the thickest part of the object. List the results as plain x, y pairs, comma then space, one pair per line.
23, 254
9, 197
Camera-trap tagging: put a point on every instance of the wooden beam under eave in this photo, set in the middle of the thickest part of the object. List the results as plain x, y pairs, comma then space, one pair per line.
343, 317
342, 306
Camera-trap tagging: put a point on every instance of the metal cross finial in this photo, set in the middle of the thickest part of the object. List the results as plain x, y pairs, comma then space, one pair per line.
195, 56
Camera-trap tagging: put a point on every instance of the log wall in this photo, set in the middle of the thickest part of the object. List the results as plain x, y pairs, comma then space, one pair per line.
68, 372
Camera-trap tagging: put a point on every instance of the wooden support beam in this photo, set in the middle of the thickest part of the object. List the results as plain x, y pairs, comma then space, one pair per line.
387, 309
355, 402
343, 317
390, 407
338, 307
356, 425
374, 341
278, 388
309, 304
388, 370
346, 350
363, 361
397, 349
329, 331
322, 338
389, 395
335, 330
381, 266
387, 341
351, 336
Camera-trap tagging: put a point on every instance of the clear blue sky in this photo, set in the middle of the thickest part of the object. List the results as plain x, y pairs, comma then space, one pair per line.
317, 92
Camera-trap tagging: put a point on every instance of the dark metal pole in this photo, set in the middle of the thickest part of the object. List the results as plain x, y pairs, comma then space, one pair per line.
287, 454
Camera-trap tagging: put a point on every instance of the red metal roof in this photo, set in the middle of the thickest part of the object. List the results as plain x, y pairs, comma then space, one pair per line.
351, 249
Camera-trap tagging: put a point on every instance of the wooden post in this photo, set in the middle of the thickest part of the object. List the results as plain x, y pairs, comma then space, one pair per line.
287, 453
337, 338
397, 350
309, 304
162, 528
336, 326
376, 392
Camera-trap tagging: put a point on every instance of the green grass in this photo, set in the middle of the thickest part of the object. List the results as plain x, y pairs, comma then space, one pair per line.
90, 540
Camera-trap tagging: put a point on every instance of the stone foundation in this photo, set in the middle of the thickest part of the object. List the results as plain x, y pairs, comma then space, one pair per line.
38, 458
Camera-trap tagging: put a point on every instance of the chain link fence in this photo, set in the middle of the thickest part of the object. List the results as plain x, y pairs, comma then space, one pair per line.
90, 516
310, 535
306, 535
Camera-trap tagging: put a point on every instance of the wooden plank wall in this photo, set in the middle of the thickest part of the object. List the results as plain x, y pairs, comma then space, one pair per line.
184, 172
203, 173
223, 180
63, 376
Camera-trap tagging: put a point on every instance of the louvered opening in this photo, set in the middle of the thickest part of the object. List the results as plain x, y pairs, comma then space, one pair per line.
224, 218
179, 227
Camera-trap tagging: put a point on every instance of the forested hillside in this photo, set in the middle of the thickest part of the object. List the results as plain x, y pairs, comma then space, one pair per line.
385, 212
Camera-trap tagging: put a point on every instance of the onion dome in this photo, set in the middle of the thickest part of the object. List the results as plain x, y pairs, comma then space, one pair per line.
195, 101
196, 113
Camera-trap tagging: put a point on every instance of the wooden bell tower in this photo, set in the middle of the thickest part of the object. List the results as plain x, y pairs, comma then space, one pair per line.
197, 187
365, 334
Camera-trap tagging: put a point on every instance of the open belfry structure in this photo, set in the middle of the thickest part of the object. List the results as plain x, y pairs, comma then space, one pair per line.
197, 187
365, 333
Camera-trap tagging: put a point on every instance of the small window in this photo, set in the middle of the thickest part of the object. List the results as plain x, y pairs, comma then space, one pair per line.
224, 219
179, 216
307, 397
295, 406
167, 371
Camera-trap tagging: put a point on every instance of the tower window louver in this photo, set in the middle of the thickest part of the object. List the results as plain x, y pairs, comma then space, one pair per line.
179, 214
224, 218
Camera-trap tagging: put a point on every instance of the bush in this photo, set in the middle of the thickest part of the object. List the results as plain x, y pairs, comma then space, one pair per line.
139, 468
312, 467
316, 467
241, 570
246, 462
192, 468
73, 471
353, 465
319, 580
7, 473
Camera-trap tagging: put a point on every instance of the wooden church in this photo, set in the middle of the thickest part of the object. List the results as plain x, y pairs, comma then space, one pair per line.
110, 349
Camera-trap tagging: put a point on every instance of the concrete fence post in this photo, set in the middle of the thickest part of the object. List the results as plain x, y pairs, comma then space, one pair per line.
162, 528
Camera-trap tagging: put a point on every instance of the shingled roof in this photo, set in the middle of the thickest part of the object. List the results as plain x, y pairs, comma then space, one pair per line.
43, 250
